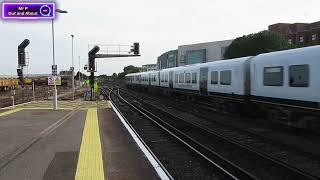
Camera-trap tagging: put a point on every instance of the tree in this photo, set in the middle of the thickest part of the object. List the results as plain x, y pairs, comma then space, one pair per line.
81, 75
127, 70
114, 75
254, 44
131, 69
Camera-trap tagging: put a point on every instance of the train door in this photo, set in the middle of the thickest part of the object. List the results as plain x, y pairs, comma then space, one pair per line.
159, 78
204, 81
171, 79
149, 79
139, 79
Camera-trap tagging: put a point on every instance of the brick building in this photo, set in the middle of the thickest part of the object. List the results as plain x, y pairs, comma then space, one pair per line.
301, 34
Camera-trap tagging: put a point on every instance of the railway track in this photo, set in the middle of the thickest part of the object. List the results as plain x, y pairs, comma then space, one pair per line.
181, 159
290, 149
205, 141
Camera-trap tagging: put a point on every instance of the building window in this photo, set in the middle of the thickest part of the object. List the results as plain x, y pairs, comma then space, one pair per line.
181, 78
194, 78
214, 77
299, 75
273, 76
225, 77
314, 37
176, 78
188, 78
196, 56
290, 41
301, 39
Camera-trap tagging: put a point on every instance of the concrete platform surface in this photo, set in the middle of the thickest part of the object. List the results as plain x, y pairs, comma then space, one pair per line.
122, 157
81, 140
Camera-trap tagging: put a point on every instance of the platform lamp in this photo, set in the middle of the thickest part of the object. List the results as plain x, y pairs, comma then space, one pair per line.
54, 67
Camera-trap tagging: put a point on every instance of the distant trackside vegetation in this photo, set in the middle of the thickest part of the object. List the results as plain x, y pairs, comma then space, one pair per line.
254, 44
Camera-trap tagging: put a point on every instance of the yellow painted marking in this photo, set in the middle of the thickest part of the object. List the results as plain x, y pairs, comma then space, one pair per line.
10, 112
90, 164
45, 108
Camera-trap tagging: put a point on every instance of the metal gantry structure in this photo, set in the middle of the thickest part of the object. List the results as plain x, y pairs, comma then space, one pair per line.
92, 55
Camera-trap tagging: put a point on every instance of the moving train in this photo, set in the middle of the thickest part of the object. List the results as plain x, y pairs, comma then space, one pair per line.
283, 85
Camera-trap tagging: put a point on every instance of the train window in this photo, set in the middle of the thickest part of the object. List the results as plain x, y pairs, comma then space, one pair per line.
188, 78
225, 77
194, 78
176, 78
273, 76
299, 75
181, 78
214, 77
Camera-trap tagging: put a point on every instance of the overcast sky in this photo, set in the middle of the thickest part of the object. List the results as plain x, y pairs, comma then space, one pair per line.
159, 26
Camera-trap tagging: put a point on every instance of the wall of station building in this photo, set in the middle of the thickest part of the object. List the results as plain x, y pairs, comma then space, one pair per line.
193, 53
168, 59
202, 52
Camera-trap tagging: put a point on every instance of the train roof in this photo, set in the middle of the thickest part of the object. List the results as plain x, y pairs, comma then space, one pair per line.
305, 53
227, 61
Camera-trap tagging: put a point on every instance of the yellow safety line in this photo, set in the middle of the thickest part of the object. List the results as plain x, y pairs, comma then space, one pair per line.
10, 112
90, 164
45, 108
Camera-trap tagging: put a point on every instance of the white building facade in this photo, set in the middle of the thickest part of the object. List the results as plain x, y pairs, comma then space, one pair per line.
202, 52
149, 67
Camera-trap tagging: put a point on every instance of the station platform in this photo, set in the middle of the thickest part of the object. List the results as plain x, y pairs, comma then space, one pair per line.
81, 140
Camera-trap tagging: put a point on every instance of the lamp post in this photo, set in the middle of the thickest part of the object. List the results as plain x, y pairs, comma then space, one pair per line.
79, 75
55, 96
72, 69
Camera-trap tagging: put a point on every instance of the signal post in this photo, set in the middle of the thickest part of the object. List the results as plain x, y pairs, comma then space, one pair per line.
92, 55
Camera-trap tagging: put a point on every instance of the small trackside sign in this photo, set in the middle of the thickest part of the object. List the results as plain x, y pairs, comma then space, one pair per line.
54, 80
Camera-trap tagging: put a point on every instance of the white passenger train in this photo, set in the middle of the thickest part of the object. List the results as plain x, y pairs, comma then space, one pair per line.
284, 83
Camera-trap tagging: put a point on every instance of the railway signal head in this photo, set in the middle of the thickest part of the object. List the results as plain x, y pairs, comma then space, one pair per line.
135, 48
21, 52
92, 56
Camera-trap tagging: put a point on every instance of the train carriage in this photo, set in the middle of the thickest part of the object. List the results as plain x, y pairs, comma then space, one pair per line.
289, 78
226, 79
289, 82
186, 79
284, 84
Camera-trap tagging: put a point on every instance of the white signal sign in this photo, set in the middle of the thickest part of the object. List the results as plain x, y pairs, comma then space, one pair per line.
54, 80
